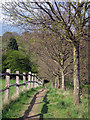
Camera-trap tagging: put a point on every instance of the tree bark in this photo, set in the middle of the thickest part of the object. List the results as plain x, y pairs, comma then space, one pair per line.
76, 79
63, 80
51, 84
58, 82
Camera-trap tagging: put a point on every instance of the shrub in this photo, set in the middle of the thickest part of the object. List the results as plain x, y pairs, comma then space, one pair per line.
16, 61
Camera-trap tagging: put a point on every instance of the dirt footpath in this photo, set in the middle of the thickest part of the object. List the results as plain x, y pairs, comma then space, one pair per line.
32, 112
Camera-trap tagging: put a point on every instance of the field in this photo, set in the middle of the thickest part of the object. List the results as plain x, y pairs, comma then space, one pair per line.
56, 104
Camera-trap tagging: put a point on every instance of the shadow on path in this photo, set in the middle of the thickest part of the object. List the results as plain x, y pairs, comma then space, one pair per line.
45, 107
31, 106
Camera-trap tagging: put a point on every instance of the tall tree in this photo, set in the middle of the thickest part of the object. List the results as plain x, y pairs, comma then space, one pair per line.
12, 44
56, 48
69, 18
6, 39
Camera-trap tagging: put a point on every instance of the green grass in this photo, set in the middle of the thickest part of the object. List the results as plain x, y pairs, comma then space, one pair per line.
12, 90
17, 107
59, 104
56, 104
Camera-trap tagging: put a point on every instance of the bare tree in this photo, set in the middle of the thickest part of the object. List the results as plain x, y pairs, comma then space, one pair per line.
52, 15
53, 47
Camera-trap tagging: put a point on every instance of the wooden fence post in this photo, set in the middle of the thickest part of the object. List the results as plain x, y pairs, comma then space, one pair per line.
29, 78
35, 79
40, 82
17, 82
32, 81
6, 95
24, 80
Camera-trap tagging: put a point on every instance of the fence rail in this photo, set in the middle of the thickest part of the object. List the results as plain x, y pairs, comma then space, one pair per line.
33, 81
20, 75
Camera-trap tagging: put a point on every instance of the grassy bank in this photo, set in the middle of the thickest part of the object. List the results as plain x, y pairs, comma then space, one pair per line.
56, 104
17, 107
59, 104
12, 90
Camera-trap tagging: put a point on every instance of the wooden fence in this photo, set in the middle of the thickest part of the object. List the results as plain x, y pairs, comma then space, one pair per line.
33, 81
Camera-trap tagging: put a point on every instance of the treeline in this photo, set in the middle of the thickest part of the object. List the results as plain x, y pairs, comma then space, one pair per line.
13, 57
46, 54
58, 38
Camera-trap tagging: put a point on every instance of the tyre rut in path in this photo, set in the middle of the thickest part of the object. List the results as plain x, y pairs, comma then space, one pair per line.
32, 112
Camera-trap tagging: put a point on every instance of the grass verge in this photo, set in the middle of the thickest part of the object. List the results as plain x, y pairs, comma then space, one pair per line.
12, 90
59, 104
17, 107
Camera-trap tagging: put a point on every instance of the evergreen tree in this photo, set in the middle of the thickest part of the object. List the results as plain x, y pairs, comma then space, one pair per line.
12, 44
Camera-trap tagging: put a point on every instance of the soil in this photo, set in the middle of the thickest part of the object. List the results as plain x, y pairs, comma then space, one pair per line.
32, 111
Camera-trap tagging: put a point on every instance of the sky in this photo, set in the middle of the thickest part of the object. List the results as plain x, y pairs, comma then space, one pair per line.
4, 27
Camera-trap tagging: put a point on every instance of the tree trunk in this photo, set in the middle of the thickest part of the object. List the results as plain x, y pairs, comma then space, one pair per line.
58, 82
76, 80
51, 84
63, 82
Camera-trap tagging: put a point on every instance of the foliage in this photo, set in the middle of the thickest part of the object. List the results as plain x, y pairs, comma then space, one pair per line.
16, 61
34, 68
19, 60
5, 39
12, 44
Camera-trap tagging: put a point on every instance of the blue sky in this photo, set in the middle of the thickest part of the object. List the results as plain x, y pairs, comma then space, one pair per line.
4, 28
0, 29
